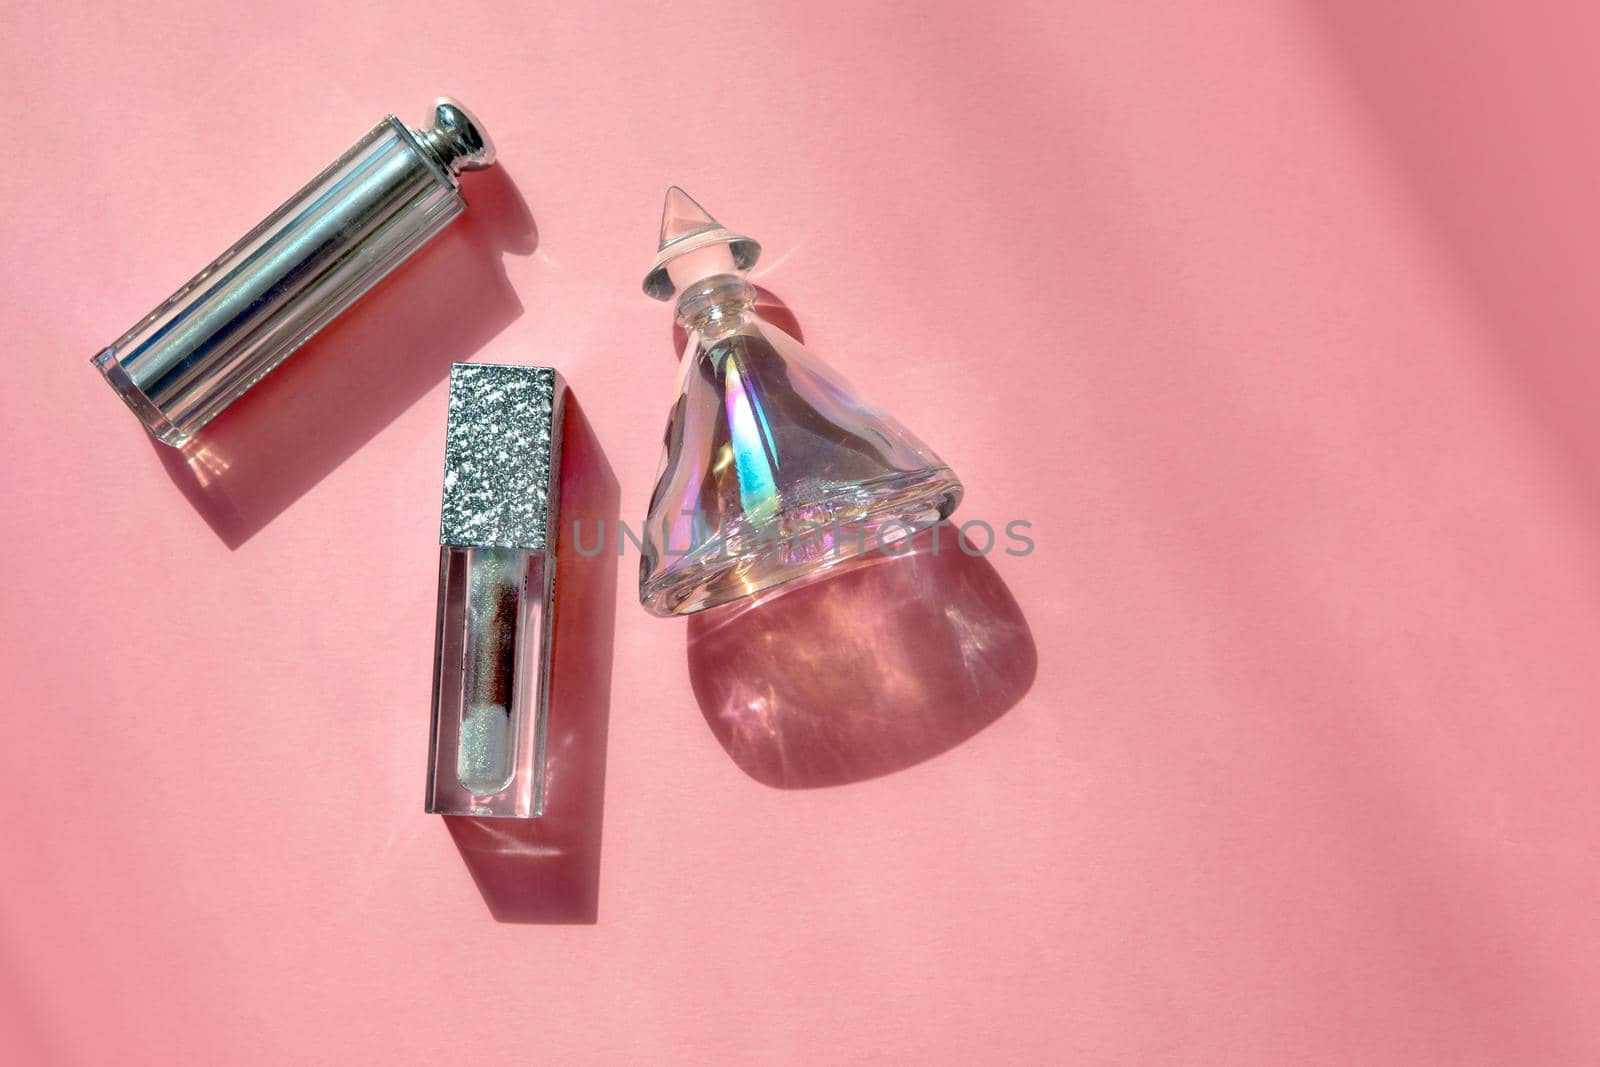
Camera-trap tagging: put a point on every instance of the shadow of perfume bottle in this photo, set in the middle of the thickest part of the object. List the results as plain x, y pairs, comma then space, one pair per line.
547, 870
358, 374
865, 670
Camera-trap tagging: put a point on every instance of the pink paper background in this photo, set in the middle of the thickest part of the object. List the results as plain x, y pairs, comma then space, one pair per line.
1277, 321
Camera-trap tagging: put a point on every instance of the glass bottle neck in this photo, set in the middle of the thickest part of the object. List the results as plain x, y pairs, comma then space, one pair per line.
715, 306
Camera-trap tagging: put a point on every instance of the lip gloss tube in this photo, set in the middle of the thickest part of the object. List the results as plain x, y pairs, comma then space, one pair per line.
303, 265
497, 582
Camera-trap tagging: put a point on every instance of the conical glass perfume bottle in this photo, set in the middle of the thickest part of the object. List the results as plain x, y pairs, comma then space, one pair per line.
773, 467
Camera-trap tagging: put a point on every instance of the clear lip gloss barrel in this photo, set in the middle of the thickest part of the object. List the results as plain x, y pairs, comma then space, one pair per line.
295, 272
497, 582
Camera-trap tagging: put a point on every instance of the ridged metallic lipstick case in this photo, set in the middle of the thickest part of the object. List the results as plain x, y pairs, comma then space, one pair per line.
497, 585
295, 272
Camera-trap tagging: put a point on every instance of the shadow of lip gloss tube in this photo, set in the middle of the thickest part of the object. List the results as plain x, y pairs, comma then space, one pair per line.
497, 534
303, 265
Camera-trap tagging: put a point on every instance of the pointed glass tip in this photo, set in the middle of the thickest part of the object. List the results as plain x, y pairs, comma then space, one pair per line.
688, 229
682, 216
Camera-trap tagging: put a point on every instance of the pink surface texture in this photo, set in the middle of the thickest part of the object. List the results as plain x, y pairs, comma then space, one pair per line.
1276, 320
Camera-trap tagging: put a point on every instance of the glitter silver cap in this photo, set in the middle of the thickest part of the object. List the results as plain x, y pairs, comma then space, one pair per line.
502, 456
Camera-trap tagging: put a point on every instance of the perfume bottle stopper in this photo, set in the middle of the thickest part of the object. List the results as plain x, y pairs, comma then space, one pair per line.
693, 246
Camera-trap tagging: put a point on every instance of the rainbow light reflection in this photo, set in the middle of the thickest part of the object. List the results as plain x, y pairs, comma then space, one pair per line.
755, 453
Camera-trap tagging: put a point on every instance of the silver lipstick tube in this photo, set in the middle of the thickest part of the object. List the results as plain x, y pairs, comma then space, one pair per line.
294, 273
